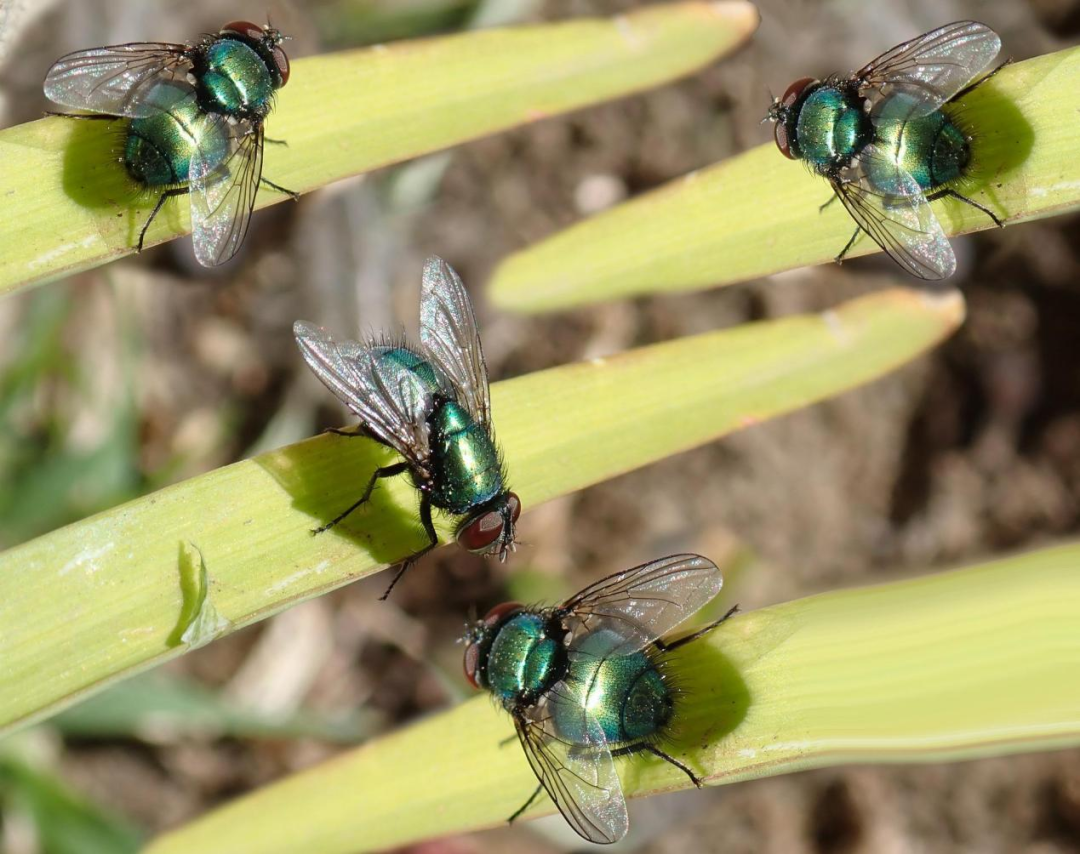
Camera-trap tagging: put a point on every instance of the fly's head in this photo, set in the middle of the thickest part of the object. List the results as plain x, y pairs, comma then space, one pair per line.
783, 114
478, 638
490, 530
267, 42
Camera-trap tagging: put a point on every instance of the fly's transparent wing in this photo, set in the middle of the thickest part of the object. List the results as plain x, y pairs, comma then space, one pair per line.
933, 67
391, 404
887, 203
224, 178
642, 604
579, 778
113, 79
450, 338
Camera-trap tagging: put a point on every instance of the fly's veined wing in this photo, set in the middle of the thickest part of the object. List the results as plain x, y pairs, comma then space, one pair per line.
391, 406
579, 778
889, 205
113, 79
224, 178
648, 601
450, 337
935, 66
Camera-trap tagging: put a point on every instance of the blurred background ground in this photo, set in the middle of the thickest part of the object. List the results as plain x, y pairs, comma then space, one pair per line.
140, 373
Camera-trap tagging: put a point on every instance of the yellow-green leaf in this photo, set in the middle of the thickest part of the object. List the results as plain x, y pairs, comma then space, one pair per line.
68, 204
100, 599
757, 213
976, 662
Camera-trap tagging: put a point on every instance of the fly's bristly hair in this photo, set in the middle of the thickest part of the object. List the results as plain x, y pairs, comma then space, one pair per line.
393, 340
680, 689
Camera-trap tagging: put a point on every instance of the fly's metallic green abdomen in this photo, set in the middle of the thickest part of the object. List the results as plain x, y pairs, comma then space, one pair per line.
235, 79
405, 366
465, 457
831, 128
158, 149
931, 148
624, 697
522, 660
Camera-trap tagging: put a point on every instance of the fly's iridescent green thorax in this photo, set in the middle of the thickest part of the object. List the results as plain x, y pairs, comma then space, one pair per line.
521, 657
158, 149
466, 472
466, 459
234, 79
829, 126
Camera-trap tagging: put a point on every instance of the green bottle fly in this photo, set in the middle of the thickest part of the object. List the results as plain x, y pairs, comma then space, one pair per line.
432, 406
888, 142
197, 114
588, 680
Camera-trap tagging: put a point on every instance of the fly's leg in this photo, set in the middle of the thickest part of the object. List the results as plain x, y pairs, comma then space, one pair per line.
656, 751
348, 434
978, 83
292, 195
267, 139
385, 471
667, 647
94, 117
527, 804
164, 197
952, 194
840, 258
832, 199
433, 540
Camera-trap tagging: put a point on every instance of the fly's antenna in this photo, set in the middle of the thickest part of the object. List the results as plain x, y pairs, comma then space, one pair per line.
470, 625
771, 115
274, 32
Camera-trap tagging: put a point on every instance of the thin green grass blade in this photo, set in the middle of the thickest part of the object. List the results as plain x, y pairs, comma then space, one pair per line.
103, 598
757, 213
63, 821
975, 662
69, 206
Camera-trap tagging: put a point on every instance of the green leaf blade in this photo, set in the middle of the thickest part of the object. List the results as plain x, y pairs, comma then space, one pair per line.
757, 213
100, 599
975, 662
69, 206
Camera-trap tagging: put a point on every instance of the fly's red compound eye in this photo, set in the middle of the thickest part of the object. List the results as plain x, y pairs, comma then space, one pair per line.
472, 652
780, 132
515, 506
282, 63
499, 613
481, 532
472, 665
244, 28
791, 95
779, 114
